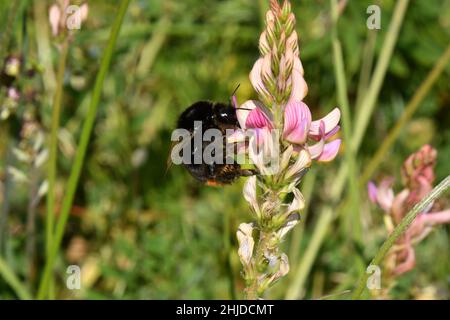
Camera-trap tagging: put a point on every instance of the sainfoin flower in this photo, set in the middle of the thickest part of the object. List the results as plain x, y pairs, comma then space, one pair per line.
281, 140
298, 127
418, 178
278, 78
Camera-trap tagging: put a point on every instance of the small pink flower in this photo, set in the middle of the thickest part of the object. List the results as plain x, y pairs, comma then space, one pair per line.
13, 94
418, 175
382, 195
298, 127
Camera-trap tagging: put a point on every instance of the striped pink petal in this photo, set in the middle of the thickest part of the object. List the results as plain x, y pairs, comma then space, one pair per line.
330, 150
244, 110
297, 119
299, 86
256, 79
258, 118
372, 191
331, 120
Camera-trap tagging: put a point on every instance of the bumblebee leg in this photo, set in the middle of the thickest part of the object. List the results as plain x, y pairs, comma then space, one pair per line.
248, 172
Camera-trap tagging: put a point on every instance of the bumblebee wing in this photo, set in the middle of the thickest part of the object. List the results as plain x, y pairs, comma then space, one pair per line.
174, 143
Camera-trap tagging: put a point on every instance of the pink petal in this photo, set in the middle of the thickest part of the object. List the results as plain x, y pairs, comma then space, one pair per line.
372, 191
256, 80
243, 111
441, 217
332, 132
297, 119
236, 136
234, 101
331, 120
316, 149
257, 118
330, 150
385, 195
84, 11
260, 134
299, 86
408, 263
395, 207
54, 18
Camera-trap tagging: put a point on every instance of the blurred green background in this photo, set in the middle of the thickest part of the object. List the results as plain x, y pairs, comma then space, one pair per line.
141, 231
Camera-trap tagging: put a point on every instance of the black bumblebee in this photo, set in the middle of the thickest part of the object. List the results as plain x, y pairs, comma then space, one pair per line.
212, 115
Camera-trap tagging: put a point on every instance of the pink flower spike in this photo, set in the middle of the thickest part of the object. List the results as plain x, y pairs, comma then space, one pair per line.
297, 119
372, 191
331, 120
330, 150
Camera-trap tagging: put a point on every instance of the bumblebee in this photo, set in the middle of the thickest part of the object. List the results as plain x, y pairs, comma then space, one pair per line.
212, 115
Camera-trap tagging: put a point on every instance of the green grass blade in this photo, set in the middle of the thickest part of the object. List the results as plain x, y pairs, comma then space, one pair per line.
11, 279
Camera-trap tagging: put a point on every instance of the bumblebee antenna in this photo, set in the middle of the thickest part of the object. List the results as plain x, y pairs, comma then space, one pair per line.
235, 90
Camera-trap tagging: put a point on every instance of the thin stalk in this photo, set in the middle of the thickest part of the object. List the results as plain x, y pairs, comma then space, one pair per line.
7, 185
13, 281
53, 154
369, 102
31, 224
410, 109
350, 154
366, 67
400, 229
53, 149
81, 150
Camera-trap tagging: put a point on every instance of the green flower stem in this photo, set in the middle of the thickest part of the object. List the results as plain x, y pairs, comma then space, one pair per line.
350, 154
8, 275
366, 67
252, 290
81, 151
53, 148
400, 229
